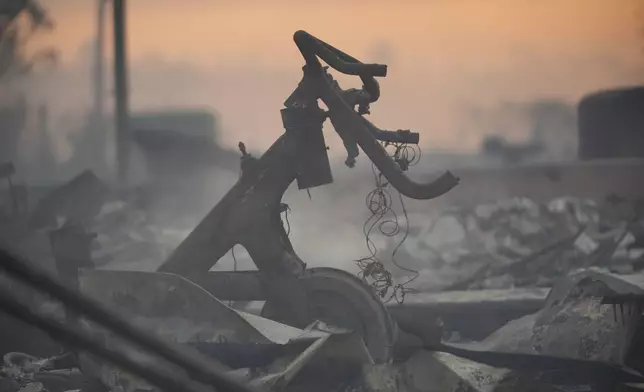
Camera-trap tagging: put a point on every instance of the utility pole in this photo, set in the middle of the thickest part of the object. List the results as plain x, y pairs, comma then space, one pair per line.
98, 123
121, 90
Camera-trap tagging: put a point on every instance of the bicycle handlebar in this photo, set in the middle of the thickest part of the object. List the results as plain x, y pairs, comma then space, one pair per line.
351, 126
360, 131
310, 47
400, 136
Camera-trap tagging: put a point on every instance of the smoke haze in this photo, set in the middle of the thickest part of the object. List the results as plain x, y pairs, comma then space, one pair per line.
445, 57
448, 60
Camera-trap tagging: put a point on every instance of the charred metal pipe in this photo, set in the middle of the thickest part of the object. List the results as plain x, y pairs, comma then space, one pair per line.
162, 380
352, 125
74, 301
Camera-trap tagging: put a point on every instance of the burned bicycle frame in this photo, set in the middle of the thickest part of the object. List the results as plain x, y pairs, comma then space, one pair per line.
249, 214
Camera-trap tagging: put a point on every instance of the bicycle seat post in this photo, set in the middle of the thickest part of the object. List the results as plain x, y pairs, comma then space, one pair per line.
303, 127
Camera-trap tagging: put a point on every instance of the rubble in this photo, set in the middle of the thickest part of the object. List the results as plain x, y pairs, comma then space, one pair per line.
517, 243
127, 239
25, 373
259, 350
491, 246
506, 249
515, 237
575, 342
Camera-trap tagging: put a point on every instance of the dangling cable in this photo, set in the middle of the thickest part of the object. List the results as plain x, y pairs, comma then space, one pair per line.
379, 203
288, 224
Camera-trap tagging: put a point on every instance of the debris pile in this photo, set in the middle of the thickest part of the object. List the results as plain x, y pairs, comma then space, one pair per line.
124, 235
126, 238
512, 243
518, 243
25, 373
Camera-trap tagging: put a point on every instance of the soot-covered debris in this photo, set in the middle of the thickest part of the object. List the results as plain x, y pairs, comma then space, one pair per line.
511, 243
518, 243
22, 372
126, 237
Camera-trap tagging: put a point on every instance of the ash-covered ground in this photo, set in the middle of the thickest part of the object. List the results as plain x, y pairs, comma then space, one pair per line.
514, 242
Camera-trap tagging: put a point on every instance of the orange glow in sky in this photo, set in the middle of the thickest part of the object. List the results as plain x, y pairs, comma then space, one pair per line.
445, 56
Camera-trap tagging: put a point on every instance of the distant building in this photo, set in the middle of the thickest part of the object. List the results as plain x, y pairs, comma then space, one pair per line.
174, 141
548, 127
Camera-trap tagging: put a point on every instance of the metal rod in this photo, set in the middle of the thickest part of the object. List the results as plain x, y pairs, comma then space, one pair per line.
121, 90
211, 374
165, 381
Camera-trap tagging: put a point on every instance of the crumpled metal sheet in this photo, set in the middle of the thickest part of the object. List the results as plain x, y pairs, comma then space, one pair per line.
183, 314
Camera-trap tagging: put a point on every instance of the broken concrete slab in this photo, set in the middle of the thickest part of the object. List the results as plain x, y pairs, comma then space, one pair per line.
574, 323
